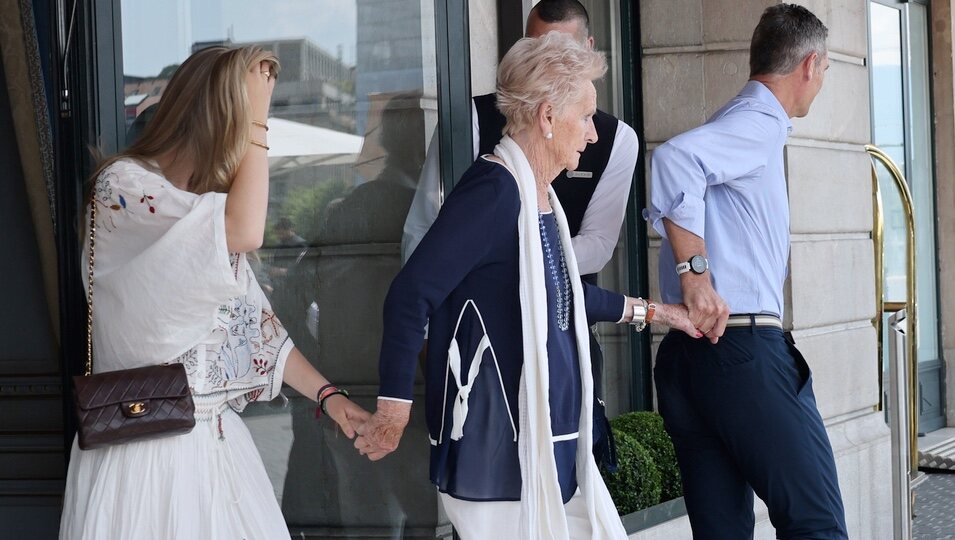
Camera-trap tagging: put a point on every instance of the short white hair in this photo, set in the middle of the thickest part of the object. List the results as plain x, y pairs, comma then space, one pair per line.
551, 69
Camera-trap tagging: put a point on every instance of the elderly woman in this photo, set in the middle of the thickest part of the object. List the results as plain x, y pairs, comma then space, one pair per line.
509, 393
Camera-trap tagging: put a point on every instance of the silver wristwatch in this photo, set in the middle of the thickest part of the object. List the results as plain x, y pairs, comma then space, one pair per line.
697, 264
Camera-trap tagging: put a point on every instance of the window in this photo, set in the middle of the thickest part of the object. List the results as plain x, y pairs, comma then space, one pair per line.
352, 113
902, 126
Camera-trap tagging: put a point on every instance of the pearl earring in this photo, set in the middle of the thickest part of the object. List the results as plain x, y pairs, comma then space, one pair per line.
549, 135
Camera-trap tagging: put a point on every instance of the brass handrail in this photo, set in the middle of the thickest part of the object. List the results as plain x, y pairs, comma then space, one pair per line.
877, 154
878, 231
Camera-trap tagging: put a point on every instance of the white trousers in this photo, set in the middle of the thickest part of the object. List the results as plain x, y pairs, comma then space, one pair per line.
500, 520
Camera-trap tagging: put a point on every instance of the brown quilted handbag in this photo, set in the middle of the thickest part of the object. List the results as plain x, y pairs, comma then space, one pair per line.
130, 404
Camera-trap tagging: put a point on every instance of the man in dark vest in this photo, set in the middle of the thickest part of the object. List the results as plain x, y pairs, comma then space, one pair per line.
594, 196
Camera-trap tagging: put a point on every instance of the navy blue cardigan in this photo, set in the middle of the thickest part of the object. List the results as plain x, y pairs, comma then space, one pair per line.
470, 253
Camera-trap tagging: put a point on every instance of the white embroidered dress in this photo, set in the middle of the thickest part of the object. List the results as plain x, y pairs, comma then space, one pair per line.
166, 289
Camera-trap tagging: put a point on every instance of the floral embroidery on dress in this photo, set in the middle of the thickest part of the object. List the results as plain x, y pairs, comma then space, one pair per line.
145, 199
242, 352
261, 366
190, 361
241, 322
113, 201
103, 196
241, 357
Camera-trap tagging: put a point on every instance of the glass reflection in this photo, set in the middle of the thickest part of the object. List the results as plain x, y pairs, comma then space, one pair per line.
614, 339
351, 114
889, 121
923, 185
888, 133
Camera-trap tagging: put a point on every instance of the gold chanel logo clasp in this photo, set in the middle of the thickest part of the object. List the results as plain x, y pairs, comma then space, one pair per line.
137, 408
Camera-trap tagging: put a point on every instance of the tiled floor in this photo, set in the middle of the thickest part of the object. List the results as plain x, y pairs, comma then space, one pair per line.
936, 438
935, 508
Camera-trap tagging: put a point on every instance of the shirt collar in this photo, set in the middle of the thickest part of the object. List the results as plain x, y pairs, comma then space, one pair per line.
761, 93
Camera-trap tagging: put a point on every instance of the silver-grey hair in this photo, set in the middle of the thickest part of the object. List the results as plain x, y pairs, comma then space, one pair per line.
553, 68
785, 35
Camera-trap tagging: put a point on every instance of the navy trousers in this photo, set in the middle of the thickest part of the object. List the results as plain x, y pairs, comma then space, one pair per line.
743, 418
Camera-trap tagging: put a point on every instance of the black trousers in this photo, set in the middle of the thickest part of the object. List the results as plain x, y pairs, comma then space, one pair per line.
743, 418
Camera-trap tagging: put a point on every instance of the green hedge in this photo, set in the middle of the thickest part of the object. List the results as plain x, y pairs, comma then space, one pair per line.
636, 484
647, 429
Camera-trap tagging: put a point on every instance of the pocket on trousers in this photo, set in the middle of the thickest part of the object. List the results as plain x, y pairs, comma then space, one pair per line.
805, 372
729, 353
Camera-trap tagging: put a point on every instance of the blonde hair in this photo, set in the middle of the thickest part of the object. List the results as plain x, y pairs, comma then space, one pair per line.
551, 69
204, 112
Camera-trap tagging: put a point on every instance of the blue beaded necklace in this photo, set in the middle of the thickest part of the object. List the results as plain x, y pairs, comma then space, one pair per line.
563, 294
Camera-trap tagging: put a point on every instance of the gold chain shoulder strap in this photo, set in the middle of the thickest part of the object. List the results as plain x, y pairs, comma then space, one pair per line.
89, 290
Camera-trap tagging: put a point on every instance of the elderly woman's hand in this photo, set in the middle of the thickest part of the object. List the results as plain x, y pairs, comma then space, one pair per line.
676, 317
380, 435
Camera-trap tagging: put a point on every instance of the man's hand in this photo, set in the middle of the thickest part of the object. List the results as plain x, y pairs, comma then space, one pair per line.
379, 436
706, 309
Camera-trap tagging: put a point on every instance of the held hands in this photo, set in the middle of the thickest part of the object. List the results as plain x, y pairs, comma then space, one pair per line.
380, 435
349, 416
707, 310
676, 316
671, 315
260, 82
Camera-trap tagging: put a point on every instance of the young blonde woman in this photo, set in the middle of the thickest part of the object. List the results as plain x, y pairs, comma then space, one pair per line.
175, 215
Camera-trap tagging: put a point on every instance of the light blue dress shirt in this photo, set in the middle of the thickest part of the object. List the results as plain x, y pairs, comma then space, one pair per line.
725, 182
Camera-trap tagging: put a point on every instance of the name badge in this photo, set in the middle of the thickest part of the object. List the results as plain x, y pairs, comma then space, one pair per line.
580, 174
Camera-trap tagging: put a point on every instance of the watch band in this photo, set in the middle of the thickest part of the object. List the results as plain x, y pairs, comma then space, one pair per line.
696, 264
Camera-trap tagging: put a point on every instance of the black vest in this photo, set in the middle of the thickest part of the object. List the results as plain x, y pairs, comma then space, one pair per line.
574, 192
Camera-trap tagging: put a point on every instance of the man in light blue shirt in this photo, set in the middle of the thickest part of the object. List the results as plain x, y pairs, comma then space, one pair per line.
739, 405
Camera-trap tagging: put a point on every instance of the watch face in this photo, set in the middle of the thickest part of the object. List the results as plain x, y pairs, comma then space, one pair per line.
698, 264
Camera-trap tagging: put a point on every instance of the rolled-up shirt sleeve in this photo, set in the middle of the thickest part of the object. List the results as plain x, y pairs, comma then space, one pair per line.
682, 168
677, 187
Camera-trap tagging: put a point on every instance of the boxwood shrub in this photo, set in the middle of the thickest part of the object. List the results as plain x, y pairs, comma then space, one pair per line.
636, 483
647, 429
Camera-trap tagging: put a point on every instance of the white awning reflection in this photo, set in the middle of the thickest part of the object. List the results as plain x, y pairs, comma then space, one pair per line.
294, 144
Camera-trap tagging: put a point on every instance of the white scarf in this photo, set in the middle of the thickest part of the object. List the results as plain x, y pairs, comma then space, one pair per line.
542, 508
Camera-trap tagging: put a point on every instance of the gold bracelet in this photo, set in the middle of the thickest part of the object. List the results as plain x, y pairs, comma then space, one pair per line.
260, 124
259, 143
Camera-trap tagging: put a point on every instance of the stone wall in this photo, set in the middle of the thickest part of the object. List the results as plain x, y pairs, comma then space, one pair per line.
943, 94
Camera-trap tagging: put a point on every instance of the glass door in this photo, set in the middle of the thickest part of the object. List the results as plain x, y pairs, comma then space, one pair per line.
902, 127
353, 110
616, 341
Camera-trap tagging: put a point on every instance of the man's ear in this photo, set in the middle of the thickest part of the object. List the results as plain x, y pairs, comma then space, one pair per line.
590, 42
809, 65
